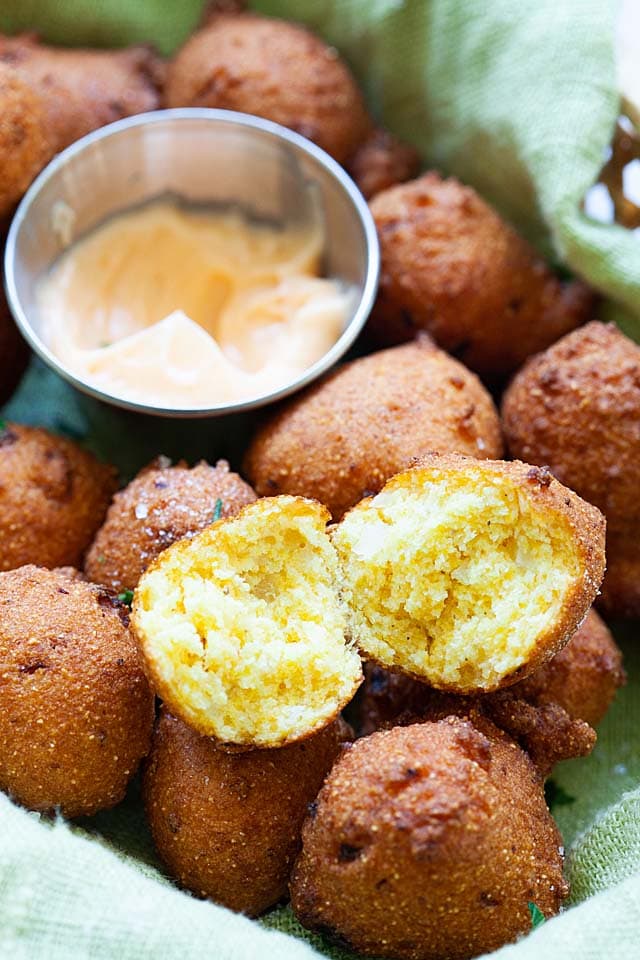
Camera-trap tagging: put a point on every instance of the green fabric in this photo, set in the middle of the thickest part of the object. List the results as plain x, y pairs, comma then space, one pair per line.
519, 100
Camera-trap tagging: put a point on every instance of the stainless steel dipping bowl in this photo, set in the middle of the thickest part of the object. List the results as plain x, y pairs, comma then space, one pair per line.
204, 157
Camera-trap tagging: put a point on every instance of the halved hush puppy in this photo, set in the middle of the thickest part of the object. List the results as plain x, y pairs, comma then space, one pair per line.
242, 630
468, 574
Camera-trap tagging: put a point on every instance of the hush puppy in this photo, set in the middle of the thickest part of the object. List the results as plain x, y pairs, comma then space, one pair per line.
383, 161
429, 841
228, 825
453, 267
341, 439
24, 142
276, 70
468, 574
76, 710
53, 498
576, 408
242, 631
162, 504
84, 89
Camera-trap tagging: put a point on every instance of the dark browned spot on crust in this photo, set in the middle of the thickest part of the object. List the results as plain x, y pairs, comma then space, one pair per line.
540, 475
30, 668
348, 853
108, 601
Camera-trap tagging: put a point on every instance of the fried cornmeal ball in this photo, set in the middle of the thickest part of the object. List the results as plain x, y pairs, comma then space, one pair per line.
242, 630
53, 498
341, 440
76, 711
162, 504
451, 266
24, 144
383, 161
273, 69
468, 574
84, 89
576, 408
429, 841
582, 679
227, 825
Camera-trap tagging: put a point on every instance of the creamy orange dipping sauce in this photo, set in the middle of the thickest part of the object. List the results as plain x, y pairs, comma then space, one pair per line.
178, 307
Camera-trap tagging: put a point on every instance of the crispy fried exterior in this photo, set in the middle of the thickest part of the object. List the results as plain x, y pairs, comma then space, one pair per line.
228, 825
426, 842
274, 69
14, 352
162, 504
24, 143
502, 648
53, 498
76, 711
85, 89
582, 680
341, 439
576, 408
383, 161
453, 267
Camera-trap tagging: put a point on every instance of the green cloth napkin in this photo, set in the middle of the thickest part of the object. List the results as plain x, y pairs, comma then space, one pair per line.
519, 100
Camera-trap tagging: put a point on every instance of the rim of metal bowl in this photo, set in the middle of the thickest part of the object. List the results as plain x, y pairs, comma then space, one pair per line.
275, 130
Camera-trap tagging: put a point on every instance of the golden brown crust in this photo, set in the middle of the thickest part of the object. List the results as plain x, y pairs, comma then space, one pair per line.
228, 826
383, 161
453, 267
162, 504
53, 497
341, 439
273, 69
75, 708
576, 408
429, 841
84, 89
14, 352
24, 143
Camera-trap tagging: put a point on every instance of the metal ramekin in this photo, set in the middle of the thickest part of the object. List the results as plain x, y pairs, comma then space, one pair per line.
205, 157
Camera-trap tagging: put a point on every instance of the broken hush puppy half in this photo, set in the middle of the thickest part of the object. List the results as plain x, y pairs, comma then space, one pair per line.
468, 574
242, 630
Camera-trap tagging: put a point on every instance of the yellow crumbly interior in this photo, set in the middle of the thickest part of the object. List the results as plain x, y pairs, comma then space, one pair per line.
242, 627
454, 577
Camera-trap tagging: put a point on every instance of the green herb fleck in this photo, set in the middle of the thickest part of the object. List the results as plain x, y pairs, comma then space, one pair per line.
126, 597
556, 796
3, 425
101, 558
217, 510
537, 916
